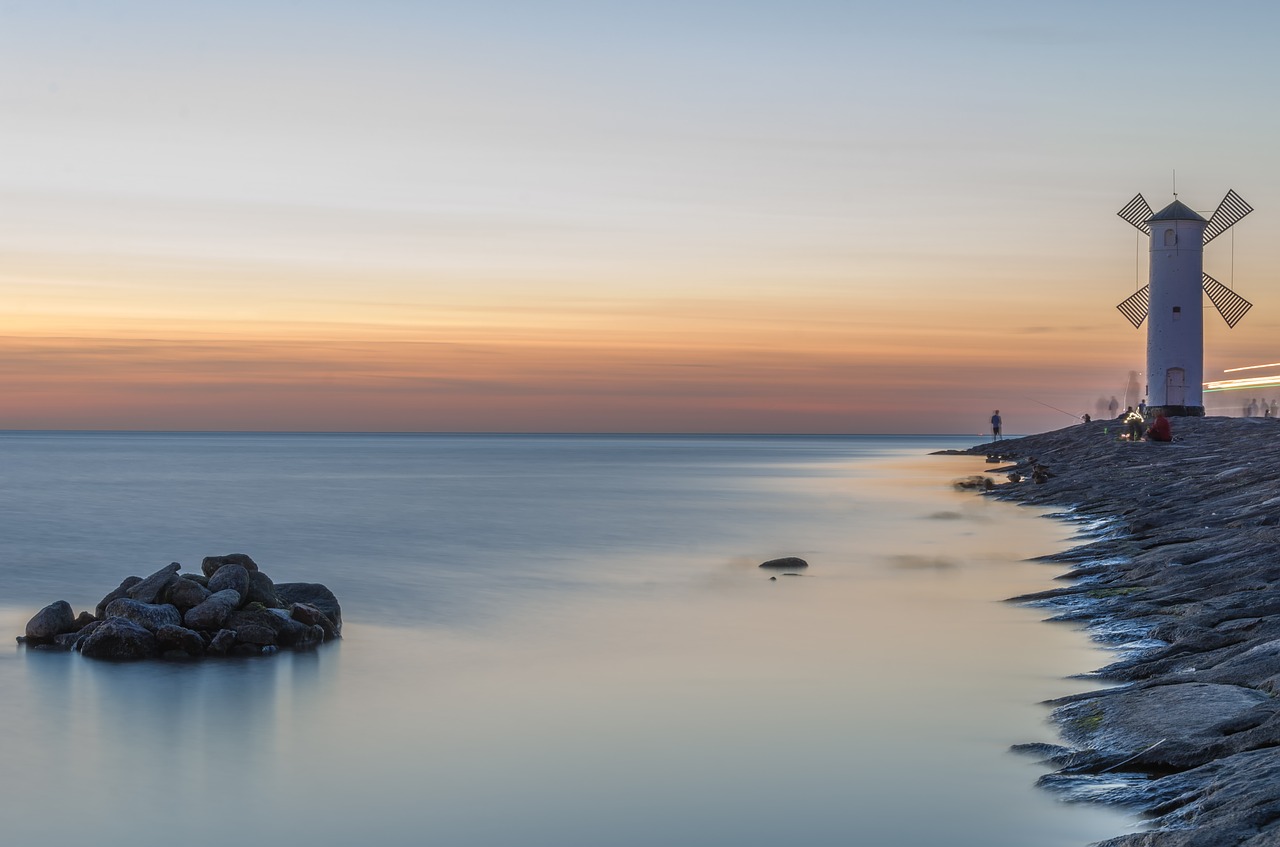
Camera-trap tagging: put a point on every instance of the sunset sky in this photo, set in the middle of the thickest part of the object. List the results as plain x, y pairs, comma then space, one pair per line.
601, 216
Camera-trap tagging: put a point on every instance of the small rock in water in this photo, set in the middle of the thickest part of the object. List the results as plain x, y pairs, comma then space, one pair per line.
975, 482
787, 563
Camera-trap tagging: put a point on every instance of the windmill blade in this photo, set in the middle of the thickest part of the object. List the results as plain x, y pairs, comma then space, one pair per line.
1230, 305
1137, 212
1229, 211
1134, 307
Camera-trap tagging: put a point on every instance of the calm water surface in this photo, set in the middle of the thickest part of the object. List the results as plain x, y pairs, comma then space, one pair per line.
550, 640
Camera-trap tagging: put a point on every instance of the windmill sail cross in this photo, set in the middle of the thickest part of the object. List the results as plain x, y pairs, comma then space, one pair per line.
1230, 305
1229, 212
1134, 307
1137, 212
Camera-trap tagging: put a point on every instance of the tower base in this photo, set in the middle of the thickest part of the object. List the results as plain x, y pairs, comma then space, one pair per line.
1176, 411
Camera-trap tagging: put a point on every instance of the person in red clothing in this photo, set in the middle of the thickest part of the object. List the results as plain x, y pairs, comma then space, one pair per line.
1160, 430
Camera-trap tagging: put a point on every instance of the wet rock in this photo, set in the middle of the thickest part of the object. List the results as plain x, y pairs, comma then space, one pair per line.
120, 639
231, 576
976, 482
312, 594
262, 590
309, 615
791, 563
186, 594
287, 632
254, 634
179, 639
211, 564
222, 642
122, 591
213, 612
53, 620
151, 589
1186, 721
68, 640
152, 616
1230, 801
232, 609
1178, 568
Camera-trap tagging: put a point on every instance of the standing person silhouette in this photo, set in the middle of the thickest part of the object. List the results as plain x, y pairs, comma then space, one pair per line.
996, 425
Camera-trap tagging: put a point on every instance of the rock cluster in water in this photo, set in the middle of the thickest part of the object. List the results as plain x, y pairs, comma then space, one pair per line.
231, 608
1180, 574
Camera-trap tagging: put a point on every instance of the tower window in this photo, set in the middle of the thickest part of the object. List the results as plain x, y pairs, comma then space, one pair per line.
1177, 312
1170, 238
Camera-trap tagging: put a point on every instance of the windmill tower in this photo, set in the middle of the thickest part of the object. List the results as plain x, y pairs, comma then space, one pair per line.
1172, 299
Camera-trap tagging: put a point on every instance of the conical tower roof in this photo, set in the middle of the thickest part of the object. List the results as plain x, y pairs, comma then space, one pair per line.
1177, 211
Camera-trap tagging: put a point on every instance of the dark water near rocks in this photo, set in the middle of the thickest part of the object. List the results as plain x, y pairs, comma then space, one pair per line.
550, 640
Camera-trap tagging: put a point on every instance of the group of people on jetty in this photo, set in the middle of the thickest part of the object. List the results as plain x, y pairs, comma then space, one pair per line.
1134, 421
1135, 424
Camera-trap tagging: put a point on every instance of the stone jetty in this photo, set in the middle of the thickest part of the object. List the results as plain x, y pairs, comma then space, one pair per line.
1179, 572
230, 608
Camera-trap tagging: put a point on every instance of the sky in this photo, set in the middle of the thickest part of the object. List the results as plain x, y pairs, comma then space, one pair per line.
809, 217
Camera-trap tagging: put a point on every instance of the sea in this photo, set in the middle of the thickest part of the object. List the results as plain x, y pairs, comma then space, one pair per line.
549, 640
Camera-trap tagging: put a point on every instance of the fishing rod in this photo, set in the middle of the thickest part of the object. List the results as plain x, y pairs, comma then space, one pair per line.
1055, 408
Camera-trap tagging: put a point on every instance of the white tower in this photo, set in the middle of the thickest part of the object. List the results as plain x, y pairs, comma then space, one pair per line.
1175, 333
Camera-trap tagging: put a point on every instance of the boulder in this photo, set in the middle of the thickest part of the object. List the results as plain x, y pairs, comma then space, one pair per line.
262, 590
789, 563
152, 616
1163, 727
151, 589
120, 639
284, 630
187, 594
213, 612
311, 616
222, 642
312, 594
83, 634
179, 639
233, 576
84, 619
260, 636
210, 565
54, 619
122, 591
67, 641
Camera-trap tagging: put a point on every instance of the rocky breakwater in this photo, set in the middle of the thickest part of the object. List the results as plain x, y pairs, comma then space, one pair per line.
231, 608
1180, 573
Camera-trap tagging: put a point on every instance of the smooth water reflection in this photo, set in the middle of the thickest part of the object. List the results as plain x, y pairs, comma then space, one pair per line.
662, 694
